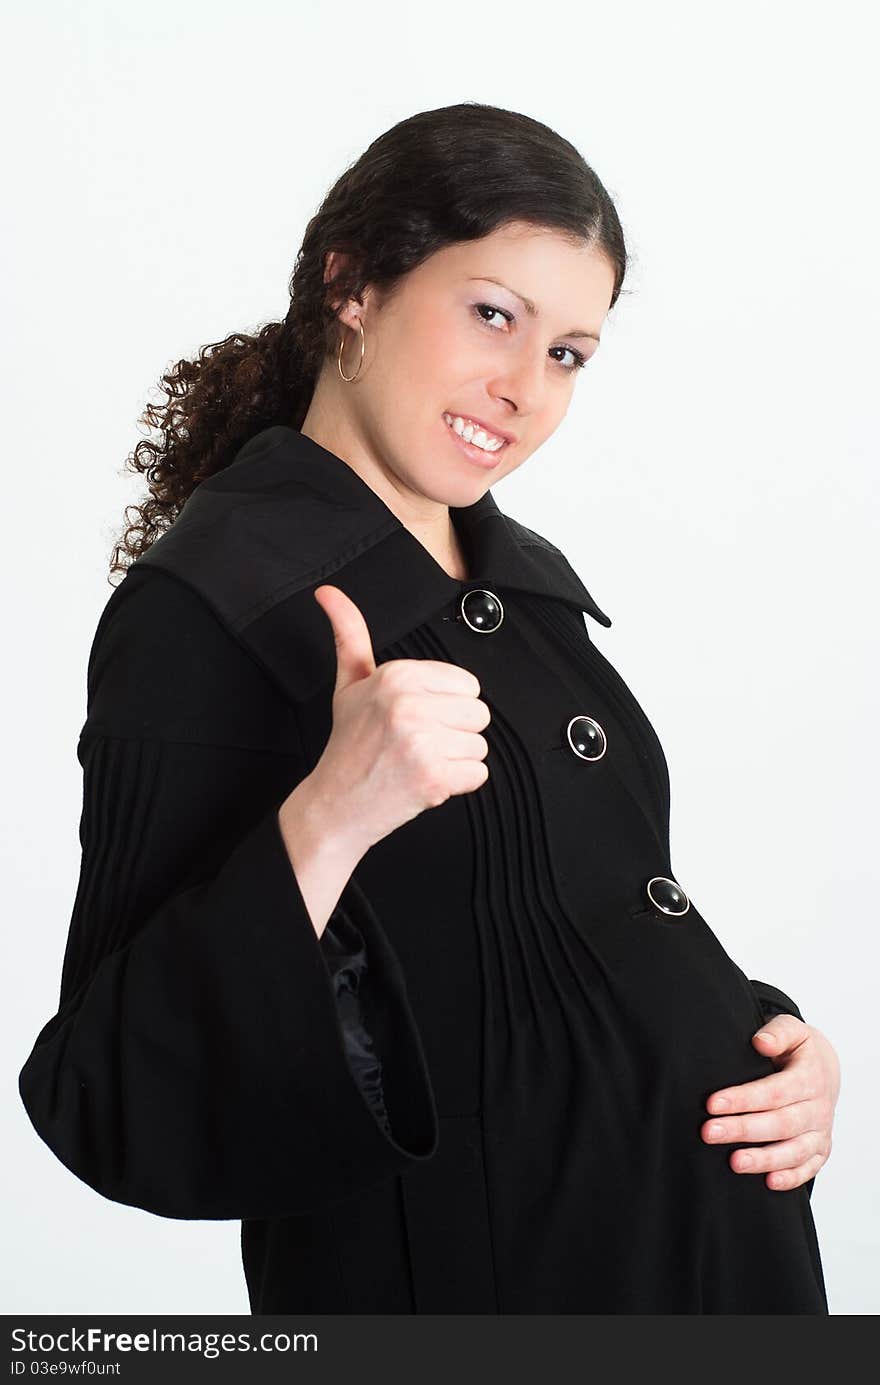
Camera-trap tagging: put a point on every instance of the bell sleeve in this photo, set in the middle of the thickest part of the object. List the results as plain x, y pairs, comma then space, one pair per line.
210, 1056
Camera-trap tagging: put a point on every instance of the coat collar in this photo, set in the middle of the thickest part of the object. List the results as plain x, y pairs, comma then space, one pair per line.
287, 514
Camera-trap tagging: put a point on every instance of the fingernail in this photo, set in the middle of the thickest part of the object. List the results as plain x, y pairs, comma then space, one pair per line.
715, 1130
721, 1103
764, 1034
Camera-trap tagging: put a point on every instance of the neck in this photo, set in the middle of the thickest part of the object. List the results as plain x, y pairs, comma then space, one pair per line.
428, 520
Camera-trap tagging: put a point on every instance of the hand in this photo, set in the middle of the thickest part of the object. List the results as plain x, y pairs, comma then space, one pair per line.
793, 1106
405, 736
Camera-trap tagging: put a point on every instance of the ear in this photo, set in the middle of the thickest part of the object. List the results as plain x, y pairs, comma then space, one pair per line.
335, 262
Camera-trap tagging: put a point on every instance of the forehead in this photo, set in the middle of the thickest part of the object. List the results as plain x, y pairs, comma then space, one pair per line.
559, 275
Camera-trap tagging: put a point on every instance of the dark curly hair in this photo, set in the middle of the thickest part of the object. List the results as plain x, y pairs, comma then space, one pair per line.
440, 177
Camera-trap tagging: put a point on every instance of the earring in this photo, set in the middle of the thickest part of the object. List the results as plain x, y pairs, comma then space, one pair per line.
348, 378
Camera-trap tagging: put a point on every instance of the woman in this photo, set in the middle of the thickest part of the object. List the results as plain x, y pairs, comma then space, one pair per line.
377, 944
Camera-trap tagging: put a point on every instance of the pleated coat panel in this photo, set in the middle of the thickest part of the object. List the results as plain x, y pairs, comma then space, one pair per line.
481, 1089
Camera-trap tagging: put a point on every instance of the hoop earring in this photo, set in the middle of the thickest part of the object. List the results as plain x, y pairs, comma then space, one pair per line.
348, 378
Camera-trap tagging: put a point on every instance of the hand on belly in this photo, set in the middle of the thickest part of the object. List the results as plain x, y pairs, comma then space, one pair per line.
793, 1107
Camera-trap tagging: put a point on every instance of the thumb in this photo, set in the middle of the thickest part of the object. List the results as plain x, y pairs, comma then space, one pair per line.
354, 647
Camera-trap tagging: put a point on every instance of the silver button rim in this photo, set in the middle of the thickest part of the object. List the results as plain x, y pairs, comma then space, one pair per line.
582, 716
495, 597
667, 880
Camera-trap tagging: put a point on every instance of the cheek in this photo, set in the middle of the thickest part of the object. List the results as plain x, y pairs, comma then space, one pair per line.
556, 409
542, 426
442, 367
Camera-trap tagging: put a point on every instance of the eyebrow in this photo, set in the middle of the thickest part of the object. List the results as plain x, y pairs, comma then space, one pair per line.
530, 307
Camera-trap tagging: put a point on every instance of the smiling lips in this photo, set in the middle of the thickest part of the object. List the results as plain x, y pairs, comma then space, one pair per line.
475, 433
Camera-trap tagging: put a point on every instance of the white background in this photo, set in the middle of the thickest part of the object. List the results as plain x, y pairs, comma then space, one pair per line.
714, 484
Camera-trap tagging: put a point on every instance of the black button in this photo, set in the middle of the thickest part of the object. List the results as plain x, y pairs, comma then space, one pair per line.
482, 611
586, 738
665, 895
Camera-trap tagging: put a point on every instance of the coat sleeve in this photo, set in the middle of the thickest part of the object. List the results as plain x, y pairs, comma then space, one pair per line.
202, 1062
773, 1001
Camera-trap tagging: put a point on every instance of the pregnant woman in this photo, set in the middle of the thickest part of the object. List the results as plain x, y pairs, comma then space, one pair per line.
377, 945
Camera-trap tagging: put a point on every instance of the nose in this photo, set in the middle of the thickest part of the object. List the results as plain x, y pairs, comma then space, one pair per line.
523, 383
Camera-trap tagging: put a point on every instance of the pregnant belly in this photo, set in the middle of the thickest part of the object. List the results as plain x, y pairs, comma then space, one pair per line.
594, 1119
681, 997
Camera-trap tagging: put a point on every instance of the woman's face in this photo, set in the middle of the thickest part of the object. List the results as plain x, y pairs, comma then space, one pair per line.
456, 339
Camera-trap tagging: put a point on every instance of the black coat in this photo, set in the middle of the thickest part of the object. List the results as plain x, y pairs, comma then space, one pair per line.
482, 1089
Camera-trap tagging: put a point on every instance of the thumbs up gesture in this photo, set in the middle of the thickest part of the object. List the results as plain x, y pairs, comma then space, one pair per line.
406, 735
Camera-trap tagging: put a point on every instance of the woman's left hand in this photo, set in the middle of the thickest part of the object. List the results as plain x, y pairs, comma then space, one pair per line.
793, 1106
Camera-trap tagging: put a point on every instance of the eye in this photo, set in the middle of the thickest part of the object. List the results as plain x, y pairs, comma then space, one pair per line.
579, 360
478, 307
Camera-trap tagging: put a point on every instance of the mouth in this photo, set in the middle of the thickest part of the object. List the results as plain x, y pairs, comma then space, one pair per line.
476, 441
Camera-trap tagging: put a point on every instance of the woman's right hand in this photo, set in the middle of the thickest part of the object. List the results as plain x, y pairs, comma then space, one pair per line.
406, 735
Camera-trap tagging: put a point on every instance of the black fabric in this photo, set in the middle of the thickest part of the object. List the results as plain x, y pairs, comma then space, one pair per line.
775, 1002
346, 953
197, 1066
540, 1038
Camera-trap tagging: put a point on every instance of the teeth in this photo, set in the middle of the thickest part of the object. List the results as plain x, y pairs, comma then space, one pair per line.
469, 432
